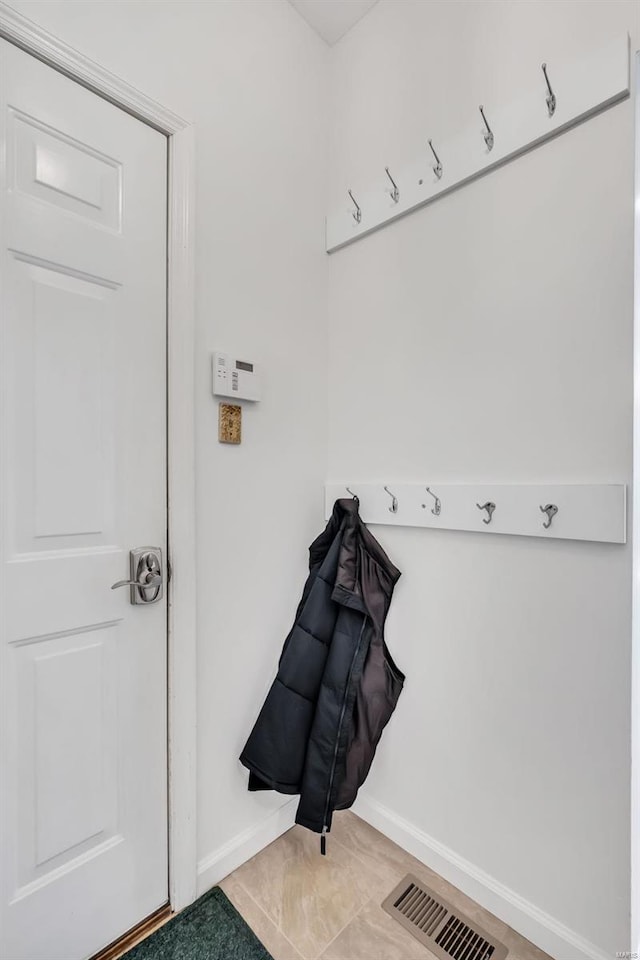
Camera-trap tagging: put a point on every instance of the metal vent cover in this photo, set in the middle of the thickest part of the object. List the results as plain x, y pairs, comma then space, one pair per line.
439, 926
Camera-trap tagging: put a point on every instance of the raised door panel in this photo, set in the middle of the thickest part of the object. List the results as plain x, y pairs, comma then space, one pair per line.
57, 169
66, 690
73, 398
62, 394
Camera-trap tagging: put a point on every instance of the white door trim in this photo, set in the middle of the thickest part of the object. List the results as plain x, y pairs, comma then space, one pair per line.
181, 424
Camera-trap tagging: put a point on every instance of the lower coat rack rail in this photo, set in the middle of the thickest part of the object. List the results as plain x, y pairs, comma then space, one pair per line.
595, 512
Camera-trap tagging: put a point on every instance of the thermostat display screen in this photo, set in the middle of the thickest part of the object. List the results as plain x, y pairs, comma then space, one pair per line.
241, 365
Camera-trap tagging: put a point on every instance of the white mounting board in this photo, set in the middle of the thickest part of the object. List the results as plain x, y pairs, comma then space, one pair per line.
582, 89
596, 512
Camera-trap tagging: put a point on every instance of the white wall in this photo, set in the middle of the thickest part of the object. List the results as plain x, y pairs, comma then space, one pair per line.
251, 75
488, 337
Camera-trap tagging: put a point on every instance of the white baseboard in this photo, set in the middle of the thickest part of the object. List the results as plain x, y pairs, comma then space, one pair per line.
545, 931
232, 854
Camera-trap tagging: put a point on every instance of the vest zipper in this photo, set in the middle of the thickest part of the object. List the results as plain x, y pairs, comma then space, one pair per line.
323, 837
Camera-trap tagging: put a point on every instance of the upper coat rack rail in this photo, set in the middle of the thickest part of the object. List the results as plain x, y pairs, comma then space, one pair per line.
556, 511
561, 96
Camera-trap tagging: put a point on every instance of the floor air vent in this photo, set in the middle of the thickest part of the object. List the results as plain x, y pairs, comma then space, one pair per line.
445, 931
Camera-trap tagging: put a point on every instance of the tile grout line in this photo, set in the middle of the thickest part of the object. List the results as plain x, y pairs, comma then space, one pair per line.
342, 929
349, 854
368, 900
264, 912
428, 955
378, 873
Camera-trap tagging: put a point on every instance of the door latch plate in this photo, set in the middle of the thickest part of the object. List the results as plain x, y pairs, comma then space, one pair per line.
144, 561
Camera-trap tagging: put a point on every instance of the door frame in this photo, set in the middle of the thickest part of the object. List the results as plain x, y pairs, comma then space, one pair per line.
181, 611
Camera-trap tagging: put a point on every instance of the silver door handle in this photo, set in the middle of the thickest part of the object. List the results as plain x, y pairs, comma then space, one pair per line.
150, 580
145, 575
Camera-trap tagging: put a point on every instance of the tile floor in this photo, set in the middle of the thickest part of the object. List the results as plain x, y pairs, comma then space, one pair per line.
306, 907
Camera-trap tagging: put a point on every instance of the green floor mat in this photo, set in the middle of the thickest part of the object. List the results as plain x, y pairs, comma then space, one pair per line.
210, 929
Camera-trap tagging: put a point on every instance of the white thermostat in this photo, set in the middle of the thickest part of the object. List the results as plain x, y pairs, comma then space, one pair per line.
234, 378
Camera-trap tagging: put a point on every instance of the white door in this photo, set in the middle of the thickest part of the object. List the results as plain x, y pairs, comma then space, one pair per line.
82, 447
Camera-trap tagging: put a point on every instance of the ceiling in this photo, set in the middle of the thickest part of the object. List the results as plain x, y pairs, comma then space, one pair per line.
332, 18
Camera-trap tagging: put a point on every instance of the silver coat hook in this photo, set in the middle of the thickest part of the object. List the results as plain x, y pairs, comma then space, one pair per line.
488, 133
394, 502
435, 510
438, 167
354, 495
550, 511
357, 213
551, 97
395, 193
489, 507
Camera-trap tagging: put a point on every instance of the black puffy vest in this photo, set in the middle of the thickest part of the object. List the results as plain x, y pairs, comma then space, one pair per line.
337, 684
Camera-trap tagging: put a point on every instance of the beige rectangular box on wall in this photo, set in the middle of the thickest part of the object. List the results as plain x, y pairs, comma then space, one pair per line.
230, 423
